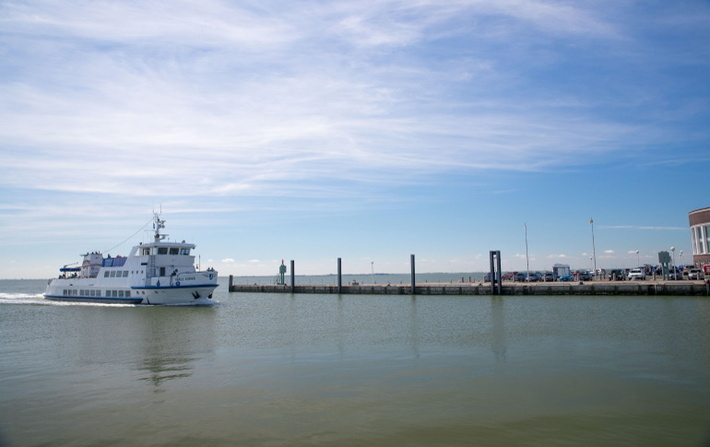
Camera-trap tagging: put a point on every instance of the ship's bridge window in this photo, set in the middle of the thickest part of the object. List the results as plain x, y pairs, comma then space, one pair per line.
174, 251
162, 250
146, 251
185, 251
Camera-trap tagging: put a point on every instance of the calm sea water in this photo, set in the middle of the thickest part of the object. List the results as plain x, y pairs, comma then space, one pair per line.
309, 370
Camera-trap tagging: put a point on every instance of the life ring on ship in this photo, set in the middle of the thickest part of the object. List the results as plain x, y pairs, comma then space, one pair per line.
177, 283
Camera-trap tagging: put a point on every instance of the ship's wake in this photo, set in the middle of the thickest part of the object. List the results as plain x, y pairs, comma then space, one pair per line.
39, 300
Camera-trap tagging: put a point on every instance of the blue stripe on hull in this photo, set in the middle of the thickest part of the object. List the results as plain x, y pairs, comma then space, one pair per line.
81, 299
173, 287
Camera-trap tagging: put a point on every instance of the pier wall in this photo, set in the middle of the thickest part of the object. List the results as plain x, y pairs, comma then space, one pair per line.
645, 288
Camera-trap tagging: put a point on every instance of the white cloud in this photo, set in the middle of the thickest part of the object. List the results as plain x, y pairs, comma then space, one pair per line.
637, 227
233, 100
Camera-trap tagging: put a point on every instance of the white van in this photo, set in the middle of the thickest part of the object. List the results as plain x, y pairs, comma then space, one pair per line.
637, 273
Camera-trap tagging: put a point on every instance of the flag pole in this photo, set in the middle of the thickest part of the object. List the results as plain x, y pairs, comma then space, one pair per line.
594, 248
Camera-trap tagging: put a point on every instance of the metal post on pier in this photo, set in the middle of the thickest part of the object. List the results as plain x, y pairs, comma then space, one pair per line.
414, 286
293, 276
340, 276
495, 273
499, 274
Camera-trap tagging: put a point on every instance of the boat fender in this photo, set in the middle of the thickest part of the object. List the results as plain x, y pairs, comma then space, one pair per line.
177, 283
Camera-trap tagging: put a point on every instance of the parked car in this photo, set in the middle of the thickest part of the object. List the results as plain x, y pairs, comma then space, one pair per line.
675, 274
617, 275
695, 274
637, 273
533, 277
508, 276
547, 277
565, 278
520, 276
584, 275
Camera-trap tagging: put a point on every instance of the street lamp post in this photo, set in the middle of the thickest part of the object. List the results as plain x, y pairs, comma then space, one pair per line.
594, 250
638, 260
673, 264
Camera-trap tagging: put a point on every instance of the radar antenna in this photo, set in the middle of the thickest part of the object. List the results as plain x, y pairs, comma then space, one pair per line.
158, 224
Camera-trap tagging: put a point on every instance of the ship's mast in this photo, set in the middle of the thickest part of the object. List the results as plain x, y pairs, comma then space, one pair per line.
158, 224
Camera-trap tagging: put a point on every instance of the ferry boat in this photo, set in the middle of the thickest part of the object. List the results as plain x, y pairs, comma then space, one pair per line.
160, 272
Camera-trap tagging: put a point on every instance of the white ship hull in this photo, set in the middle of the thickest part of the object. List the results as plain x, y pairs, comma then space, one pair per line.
156, 273
63, 290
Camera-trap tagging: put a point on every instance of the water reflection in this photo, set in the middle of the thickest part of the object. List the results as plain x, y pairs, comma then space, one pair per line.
414, 328
160, 369
498, 323
172, 339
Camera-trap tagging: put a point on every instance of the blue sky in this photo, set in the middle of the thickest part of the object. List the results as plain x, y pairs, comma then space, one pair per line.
365, 130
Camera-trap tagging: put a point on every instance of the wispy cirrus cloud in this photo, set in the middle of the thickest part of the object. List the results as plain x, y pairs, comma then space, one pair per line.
641, 227
232, 100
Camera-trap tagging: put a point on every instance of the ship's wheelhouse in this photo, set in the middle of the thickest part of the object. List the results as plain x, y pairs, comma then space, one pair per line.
169, 250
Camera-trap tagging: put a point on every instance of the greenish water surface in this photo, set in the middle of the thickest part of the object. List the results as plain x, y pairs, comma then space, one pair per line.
355, 370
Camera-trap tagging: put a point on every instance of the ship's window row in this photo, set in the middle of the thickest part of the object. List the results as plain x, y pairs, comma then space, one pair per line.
118, 293
89, 292
167, 251
116, 274
96, 292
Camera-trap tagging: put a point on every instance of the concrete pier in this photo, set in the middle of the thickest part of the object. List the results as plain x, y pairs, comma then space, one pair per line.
640, 288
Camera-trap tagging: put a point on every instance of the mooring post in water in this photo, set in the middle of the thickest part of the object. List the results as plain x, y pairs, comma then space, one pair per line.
414, 286
340, 276
491, 271
500, 275
231, 283
495, 274
293, 276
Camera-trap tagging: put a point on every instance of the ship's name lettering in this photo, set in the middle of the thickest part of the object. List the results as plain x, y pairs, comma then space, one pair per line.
188, 278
